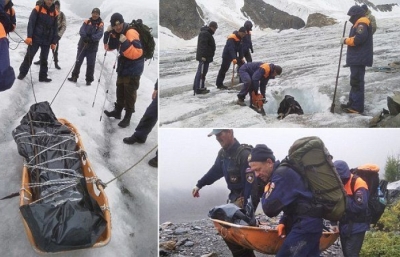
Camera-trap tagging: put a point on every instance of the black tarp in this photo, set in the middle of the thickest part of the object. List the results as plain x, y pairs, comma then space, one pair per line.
63, 219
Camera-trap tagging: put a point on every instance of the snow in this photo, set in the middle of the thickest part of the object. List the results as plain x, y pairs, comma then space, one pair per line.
133, 197
309, 58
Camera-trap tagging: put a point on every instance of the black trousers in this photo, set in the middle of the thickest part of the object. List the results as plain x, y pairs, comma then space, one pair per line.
351, 245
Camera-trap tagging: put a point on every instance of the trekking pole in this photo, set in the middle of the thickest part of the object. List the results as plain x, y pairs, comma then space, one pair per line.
77, 59
101, 72
105, 97
233, 74
337, 75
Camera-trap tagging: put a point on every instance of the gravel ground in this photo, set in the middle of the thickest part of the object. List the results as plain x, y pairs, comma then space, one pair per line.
200, 239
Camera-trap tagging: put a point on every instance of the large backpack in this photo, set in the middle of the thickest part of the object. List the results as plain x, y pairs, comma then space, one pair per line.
146, 38
309, 157
289, 106
376, 202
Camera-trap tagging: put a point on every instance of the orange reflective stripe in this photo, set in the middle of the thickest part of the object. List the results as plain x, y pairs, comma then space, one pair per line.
132, 52
363, 20
2, 31
359, 183
265, 66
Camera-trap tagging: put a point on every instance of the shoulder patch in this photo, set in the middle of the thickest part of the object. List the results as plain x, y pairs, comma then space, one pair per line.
250, 177
360, 29
359, 197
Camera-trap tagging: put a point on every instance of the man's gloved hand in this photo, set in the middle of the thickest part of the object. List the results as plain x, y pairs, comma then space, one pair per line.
106, 47
53, 46
281, 230
195, 192
343, 41
252, 50
203, 59
234, 61
109, 28
28, 41
122, 38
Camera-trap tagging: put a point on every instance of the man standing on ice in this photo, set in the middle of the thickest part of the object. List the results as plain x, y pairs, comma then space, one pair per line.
359, 54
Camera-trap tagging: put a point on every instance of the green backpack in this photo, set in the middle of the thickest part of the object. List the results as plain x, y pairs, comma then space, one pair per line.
309, 157
146, 38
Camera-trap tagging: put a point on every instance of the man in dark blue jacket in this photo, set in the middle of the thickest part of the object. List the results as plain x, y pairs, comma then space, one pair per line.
231, 163
247, 43
255, 76
355, 222
204, 54
233, 53
7, 75
43, 33
286, 191
91, 32
359, 54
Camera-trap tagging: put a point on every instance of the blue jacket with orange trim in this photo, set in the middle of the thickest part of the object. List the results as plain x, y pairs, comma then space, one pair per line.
233, 47
9, 10
287, 192
7, 75
91, 32
42, 25
260, 74
360, 43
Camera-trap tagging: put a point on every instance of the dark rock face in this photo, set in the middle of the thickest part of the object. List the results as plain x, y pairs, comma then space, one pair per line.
181, 17
319, 20
267, 16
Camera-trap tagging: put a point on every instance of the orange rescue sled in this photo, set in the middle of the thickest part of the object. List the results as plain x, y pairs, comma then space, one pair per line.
262, 240
96, 192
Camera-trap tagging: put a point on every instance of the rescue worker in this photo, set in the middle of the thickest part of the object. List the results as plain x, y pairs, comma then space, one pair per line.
286, 191
232, 53
204, 55
91, 32
355, 222
359, 54
7, 75
255, 76
62, 26
231, 163
370, 17
247, 43
9, 10
43, 33
147, 122
121, 36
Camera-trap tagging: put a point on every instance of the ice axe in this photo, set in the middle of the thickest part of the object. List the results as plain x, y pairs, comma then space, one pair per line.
337, 75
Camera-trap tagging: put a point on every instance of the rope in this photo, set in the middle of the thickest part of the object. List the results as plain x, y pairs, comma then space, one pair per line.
73, 66
131, 166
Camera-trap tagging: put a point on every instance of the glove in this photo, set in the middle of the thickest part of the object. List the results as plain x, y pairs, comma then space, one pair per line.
203, 59
252, 51
281, 230
53, 46
195, 192
122, 38
28, 41
109, 28
234, 61
343, 41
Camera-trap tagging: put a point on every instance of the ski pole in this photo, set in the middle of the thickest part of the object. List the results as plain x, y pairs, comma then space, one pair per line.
105, 97
337, 75
233, 74
101, 72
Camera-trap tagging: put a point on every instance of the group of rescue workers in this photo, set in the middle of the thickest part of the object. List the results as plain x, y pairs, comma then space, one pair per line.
45, 28
257, 173
255, 75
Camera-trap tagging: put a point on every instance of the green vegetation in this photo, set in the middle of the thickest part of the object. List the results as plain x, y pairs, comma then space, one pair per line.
392, 168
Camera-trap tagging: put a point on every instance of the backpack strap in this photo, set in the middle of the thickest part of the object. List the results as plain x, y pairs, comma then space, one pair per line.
353, 182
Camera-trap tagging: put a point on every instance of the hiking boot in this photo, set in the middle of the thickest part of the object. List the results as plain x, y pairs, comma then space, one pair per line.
222, 87
88, 83
37, 63
132, 139
126, 121
153, 162
44, 80
240, 102
56, 65
116, 113
202, 91
344, 106
21, 76
351, 110
73, 79
345, 66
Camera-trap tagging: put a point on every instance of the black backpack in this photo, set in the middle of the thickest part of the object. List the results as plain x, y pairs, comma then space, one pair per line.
376, 202
146, 38
289, 106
